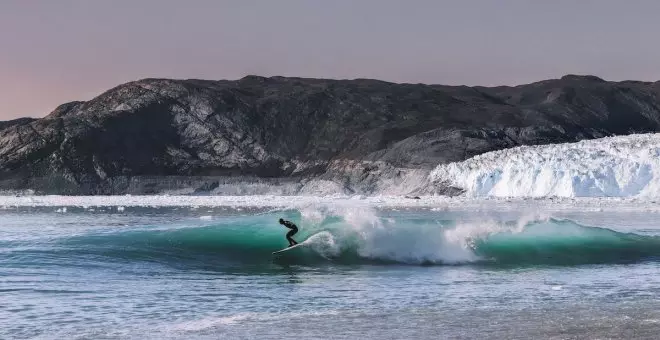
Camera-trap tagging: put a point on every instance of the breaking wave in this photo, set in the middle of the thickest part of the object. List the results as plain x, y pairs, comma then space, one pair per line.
354, 236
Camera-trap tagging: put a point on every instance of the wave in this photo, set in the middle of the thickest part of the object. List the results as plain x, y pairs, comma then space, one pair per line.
342, 235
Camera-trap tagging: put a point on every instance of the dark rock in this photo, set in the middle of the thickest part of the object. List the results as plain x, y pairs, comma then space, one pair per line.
355, 133
14, 122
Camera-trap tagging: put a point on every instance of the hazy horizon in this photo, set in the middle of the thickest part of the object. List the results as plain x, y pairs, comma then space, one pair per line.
57, 52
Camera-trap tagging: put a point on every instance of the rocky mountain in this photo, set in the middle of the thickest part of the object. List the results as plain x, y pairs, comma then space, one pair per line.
293, 135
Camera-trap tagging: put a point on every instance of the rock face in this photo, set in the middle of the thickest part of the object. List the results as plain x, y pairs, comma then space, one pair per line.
301, 135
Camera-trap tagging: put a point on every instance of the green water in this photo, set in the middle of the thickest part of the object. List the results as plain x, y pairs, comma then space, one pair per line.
183, 273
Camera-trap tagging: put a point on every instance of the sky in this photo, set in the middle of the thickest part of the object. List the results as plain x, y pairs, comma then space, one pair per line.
52, 52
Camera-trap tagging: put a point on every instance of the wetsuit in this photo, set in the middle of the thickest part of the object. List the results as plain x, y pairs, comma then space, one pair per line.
293, 231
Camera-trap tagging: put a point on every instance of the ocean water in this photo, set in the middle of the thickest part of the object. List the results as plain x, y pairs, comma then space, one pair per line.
362, 273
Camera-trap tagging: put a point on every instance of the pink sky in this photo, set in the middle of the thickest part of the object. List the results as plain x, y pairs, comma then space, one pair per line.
52, 52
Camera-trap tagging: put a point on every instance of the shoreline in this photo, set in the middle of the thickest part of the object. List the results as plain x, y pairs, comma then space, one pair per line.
272, 201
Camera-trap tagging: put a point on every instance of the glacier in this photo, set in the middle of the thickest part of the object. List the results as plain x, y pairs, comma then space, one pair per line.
620, 166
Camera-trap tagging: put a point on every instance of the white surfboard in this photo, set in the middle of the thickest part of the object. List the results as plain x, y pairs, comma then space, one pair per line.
288, 248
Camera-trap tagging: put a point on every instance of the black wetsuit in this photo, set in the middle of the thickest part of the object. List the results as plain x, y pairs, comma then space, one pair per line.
293, 231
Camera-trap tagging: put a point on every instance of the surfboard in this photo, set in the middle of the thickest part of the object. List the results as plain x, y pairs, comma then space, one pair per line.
288, 248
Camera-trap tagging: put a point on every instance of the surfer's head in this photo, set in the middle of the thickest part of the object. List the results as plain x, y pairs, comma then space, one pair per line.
281, 221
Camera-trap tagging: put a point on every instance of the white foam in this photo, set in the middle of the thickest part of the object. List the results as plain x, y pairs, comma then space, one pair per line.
416, 245
381, 239
622, 166
209, 322
324, 244
212, 322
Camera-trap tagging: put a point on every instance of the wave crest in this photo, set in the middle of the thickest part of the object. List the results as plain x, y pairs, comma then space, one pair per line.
357, 235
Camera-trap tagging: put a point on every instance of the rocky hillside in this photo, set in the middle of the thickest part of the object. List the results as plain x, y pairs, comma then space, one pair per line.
301, 135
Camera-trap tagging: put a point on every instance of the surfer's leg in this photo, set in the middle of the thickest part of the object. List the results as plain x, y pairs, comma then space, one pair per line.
292, 242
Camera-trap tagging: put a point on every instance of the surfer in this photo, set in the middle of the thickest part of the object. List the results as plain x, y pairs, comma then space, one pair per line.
293, 231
